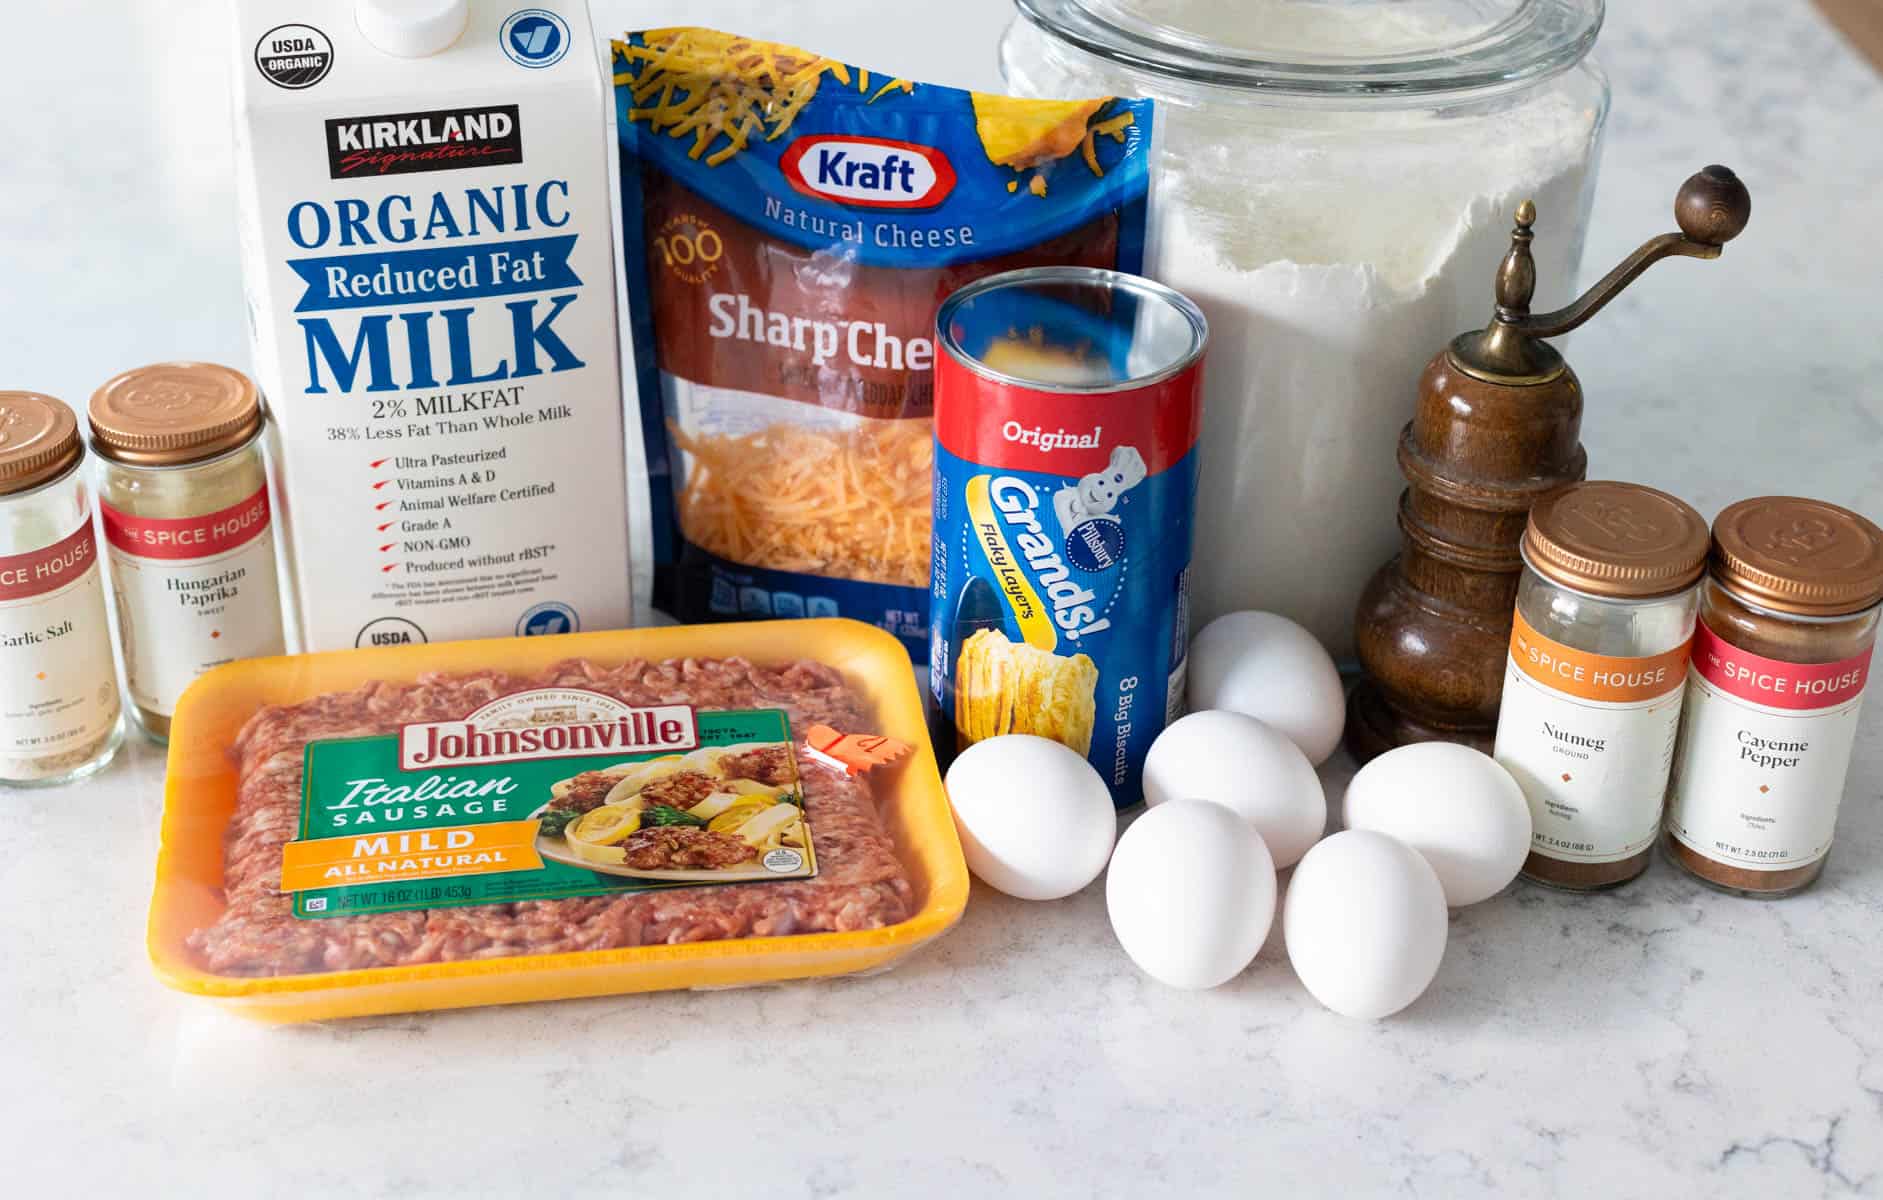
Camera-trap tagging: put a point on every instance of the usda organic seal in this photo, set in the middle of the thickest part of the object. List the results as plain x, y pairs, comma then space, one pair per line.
294, 56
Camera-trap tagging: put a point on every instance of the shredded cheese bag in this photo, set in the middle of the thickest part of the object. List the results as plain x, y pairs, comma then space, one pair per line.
791, 225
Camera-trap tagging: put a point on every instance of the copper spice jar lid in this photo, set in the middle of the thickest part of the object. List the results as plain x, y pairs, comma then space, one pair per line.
38, 440
171, 413
1799, 556
1618, 541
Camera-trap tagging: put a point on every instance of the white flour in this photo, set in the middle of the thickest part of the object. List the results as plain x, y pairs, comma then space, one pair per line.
1334, 253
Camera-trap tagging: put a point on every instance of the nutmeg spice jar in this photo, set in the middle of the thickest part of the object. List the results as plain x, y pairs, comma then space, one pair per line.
1597, 666
1788, 619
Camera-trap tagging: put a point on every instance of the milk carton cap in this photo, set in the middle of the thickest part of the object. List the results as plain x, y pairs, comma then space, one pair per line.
411, 28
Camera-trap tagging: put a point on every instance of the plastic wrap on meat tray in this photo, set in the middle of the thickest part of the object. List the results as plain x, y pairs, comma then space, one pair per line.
882, 866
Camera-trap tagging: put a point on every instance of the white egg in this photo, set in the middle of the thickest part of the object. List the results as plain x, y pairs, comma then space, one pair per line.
1035, 818
1269, 667
1365, 923
1191, 893
1457, 807
1244, 765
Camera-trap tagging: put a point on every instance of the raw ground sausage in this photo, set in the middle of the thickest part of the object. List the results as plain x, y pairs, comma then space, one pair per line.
860, 883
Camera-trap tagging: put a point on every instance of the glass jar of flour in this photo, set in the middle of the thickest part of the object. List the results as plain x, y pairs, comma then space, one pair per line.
1334, 183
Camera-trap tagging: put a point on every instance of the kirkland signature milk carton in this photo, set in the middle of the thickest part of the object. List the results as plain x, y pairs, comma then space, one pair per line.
430, 270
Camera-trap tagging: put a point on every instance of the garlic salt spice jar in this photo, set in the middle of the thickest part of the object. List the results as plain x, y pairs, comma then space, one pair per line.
1598, 663
60, 717
183, 493
1788, 618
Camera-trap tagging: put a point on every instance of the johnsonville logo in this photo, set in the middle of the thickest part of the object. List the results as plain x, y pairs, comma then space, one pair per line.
547, 724
442, 140
868, 172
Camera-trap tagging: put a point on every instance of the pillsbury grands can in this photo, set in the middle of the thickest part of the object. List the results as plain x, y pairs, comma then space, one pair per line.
1067, 406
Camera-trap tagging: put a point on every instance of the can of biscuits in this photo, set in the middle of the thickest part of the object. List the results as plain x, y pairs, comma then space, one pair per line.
1067, 406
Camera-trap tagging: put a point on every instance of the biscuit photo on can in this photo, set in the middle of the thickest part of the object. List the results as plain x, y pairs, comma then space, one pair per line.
1006, 687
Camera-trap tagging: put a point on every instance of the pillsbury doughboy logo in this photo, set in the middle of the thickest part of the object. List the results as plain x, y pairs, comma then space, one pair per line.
1095, 537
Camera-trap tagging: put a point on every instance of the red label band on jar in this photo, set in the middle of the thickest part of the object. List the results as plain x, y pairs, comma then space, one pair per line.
182, 538
192, 593
1764, 753
40, 571
57, 680
1775, 684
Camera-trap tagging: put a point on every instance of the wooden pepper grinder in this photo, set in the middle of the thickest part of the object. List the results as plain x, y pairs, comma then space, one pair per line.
1497, 428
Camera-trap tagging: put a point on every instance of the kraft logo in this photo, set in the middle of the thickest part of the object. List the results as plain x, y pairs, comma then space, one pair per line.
868, 172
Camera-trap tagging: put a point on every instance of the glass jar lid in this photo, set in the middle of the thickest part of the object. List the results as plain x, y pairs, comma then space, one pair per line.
38, 440
1331, 47
172, 413
1799, 556
1619, 541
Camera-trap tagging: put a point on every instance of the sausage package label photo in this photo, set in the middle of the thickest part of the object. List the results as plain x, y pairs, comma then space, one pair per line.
543, 795
428, 251
791, 225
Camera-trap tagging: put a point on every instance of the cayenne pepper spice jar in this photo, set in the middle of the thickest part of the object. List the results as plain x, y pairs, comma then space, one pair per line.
1598, 662
183, 493
60, 716
1788, 617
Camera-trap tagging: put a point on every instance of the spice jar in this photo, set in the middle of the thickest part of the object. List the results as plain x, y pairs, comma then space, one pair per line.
183, 492
1788, 617
1598, 662
1279, 123
59, 708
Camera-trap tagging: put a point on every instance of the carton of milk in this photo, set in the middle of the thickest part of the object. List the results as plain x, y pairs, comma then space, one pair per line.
428, 251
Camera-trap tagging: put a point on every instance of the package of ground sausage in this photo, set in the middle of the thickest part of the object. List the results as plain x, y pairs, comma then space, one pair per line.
445, 825
792, 224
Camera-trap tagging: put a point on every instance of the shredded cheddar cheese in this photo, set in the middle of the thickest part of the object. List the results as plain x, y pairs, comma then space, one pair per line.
852, 504
712, 86
1026, 135
1113, 128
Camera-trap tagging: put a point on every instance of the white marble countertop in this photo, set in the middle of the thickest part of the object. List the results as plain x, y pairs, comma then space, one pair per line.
1659, 1040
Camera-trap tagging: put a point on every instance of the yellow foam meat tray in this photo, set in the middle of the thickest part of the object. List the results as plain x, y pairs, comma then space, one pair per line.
200, 794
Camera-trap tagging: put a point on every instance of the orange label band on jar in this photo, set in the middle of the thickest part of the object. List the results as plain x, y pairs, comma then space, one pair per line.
1589, 738
1596, 677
